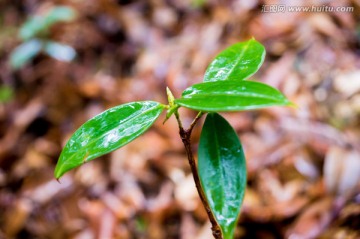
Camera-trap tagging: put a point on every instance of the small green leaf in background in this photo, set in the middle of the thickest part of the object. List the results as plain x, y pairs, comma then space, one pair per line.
107, 132
222, 171
31, 28
6, 94
59, 51
38, 25
220, 96
60, 14
237, 62
25, 53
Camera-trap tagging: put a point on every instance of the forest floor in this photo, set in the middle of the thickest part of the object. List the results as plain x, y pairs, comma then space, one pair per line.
303, 164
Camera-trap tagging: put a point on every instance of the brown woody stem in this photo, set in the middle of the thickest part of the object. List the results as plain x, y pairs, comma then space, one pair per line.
185, 137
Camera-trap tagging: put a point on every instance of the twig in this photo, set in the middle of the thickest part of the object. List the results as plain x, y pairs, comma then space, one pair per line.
185, 137
194, 122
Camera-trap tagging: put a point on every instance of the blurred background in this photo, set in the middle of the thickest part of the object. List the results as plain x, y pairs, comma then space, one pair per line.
62, 62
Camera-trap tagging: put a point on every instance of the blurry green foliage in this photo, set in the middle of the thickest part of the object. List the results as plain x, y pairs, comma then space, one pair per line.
34, 32
141, 224
358, 32
59, 51
39, 25
6, 94
25, 52
198, 3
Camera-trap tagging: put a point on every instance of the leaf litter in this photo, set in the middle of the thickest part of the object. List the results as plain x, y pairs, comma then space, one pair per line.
303, 164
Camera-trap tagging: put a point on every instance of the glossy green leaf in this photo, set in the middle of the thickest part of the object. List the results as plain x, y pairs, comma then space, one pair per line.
237, 62
106, 132
231, 96
222, 171
25, 53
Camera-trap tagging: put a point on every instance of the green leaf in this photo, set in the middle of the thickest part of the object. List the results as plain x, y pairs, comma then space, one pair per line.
222, 171
25, 53
231, 96
60, 51
37, 25
106, 132
237, 62
59, 14
32, 27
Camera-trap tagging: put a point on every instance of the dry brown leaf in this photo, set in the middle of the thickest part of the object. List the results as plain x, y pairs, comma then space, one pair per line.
342, 171
347, 83
17, 216
312, 221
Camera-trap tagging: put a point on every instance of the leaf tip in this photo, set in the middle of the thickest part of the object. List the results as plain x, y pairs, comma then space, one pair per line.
58, 172
57, 175
292, 105
166, 118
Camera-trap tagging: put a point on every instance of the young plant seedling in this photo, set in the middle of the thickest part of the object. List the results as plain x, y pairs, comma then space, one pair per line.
220, 172
35, 36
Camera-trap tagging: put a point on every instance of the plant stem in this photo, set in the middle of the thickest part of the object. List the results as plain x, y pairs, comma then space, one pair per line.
185, 135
